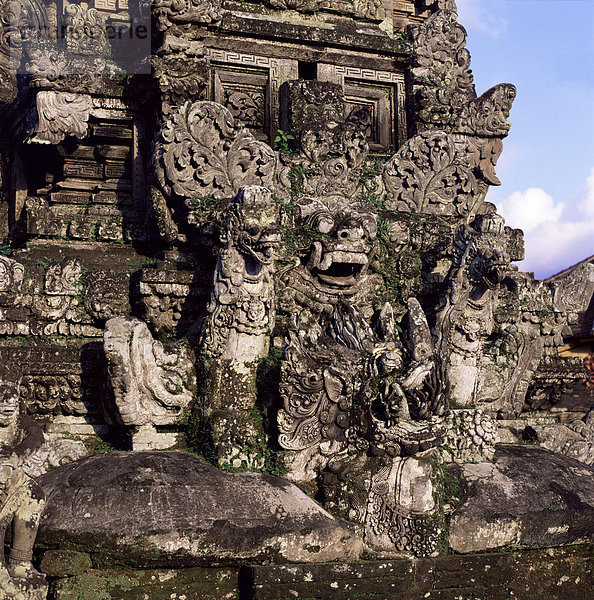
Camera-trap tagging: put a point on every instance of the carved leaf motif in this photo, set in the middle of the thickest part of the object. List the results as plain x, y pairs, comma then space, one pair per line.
203, 151
430, 175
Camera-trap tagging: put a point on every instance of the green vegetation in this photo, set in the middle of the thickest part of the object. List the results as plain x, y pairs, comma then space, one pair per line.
282, 142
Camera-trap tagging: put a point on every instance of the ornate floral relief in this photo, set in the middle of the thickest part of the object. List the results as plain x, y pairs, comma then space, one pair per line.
574, 439
181, 75
431, 175
51, 68
247, 107
199, 12
445, 97
315, 400
369, 9
392, 523
366, 9
103, 297
86, 31
63, 279
53, 394
59, 114
443, 79
20, 21
203, 151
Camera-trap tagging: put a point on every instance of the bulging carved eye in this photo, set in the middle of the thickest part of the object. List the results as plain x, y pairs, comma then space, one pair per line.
322, 222
253, 230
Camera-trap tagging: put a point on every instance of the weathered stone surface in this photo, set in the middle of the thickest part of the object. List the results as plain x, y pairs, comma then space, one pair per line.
168, 508
574, 439
157, 584
528, 497
560, 574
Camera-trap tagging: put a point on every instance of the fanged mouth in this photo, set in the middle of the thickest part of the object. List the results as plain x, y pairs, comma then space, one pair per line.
337, 268
264, 251
341, 274
494, 276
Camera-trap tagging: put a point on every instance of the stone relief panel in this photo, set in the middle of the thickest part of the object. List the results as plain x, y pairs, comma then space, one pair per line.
381, 94
248, 85
245, 94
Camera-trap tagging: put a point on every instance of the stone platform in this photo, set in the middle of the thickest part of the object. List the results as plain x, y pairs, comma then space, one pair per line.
164, 509
554, 574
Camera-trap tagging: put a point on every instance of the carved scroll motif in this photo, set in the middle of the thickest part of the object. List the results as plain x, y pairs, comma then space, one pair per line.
60, 114
11, 275
204, 151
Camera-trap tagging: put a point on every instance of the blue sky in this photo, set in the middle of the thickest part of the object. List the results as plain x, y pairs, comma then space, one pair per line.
546, 49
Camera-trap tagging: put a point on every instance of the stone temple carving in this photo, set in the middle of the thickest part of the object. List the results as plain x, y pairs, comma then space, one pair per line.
275, 251
152, 385
239, 322
21, 499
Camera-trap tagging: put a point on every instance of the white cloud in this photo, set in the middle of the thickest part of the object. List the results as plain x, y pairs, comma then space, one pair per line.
530, 209
557, 235
586, 204
480, 16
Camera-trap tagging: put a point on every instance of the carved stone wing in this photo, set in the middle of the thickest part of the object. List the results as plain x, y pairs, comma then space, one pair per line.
430, 175
203, 151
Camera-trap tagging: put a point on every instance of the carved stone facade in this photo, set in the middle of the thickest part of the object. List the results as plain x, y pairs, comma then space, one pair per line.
274, 250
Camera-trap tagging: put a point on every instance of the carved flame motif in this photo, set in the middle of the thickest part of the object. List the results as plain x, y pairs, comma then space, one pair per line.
204, 151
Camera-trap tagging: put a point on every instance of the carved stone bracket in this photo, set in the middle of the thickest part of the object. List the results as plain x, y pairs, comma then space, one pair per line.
152, 385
